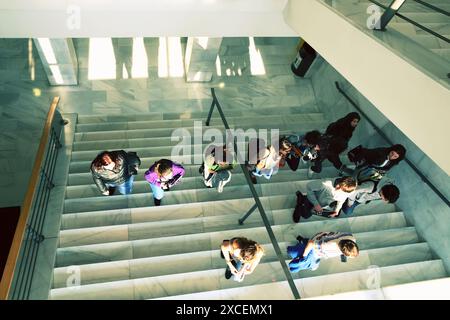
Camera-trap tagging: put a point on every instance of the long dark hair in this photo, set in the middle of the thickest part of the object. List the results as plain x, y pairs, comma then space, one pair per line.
162, 166
401, 150
249, 248
100, 159
343, 127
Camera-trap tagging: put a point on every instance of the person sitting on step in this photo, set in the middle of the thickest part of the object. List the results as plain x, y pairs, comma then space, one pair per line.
111, 169
324, 197
307, 253
217, 166
241, 255
304, 148
367, 191
162, 176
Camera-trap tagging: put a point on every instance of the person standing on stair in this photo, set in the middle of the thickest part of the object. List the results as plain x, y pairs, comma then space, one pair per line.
344, 127
217, 166
328, 148
269, 159
324, 198
162, 176
367, 191
111, 169
307, 253
304, 148
241, 255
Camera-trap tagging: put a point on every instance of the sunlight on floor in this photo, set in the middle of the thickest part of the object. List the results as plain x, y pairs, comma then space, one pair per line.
102, 62
256, 61
139, 67
170, 58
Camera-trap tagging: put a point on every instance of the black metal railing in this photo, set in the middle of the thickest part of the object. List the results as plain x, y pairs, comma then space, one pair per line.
432, 7
258, 205
25, 269
415, 23
385, 137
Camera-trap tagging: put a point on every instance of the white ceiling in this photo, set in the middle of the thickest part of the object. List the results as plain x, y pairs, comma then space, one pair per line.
149, 18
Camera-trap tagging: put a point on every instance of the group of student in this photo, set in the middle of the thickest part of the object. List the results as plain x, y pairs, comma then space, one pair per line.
364, 182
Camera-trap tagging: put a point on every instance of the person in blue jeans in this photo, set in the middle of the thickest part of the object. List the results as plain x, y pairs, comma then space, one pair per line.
111, 169
162, 176
367, 191
307, 253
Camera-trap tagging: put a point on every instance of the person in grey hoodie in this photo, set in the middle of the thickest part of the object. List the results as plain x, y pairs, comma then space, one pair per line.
367, 191
326, 197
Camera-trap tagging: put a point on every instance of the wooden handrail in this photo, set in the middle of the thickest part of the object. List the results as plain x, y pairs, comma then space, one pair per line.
8, 273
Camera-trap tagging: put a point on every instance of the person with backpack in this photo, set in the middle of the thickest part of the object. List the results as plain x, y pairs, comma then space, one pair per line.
307, 253
304, 148
111, 169
367, 191
373, 164
324, 198
217, 166
162, 176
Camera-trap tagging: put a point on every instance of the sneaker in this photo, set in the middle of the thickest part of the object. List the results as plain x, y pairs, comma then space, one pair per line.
208, 183
222, 183
157, 202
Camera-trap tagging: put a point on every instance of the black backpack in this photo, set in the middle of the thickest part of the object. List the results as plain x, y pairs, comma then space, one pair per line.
133, 162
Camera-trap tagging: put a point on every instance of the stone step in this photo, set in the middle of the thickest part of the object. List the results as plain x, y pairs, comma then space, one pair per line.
168, 285
162, 246
444, 53
238, 121
422, 290
207, 209
180, 137
146, 230
178, 264
193, 180
200, 115
327, 284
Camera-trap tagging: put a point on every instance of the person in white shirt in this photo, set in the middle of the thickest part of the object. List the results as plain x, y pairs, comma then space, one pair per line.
326, 197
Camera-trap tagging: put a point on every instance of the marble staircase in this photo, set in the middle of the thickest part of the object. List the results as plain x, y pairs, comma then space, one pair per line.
122, 247
429, 18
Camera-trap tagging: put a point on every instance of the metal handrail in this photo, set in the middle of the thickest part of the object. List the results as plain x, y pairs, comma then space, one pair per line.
433, 7
258, 203
18, 273
381, 133
414, 23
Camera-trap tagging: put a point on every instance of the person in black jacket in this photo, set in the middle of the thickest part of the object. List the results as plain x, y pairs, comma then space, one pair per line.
329, 147
374, 163
111, 169
344, 127
334, 141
